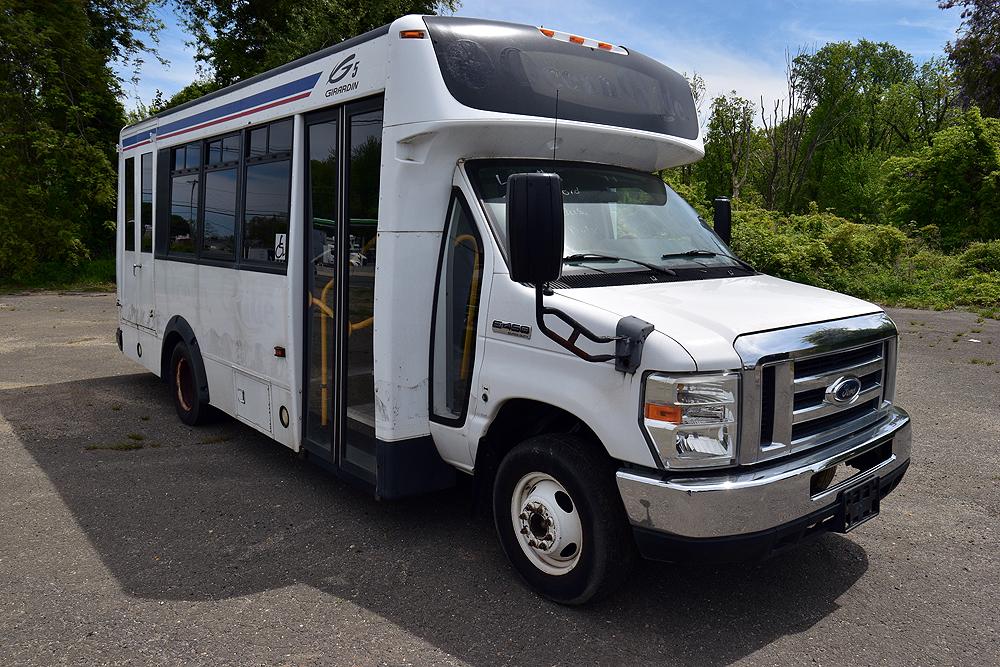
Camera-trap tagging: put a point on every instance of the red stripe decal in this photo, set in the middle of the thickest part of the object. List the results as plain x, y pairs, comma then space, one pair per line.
226, 118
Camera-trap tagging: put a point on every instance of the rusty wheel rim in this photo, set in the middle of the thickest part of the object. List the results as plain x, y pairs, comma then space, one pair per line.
185, 384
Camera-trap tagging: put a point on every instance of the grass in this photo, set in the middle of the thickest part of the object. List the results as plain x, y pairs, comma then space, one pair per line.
981, 362
117, 446
95, 275
136, 437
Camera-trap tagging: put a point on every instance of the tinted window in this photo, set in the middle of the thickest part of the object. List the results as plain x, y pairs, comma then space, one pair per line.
192, 156
146, 210
220, 213
231, 148
214, 152
128, 205
183, 213
455, 320
515, 69
258, 142
279, 139
265, 218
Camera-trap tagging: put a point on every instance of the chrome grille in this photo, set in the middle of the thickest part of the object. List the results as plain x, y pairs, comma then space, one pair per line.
795, 411
789, 372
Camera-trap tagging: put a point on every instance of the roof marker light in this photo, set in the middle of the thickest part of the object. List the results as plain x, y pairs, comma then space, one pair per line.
583, 41
412, 34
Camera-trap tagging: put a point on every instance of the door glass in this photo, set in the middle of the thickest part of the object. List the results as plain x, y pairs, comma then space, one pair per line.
129, 205
146, 210
457, 310
362, 206
321, 244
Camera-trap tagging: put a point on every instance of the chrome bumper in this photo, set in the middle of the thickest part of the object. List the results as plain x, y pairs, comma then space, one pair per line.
758, 498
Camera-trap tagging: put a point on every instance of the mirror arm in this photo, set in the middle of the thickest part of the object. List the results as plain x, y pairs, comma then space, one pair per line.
631, 334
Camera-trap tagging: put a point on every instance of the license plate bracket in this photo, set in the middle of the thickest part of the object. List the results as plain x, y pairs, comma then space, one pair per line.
859, 504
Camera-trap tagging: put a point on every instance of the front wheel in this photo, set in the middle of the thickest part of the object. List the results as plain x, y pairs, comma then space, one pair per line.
560, 519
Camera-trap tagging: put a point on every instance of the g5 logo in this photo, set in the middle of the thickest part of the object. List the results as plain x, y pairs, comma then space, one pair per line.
347, 66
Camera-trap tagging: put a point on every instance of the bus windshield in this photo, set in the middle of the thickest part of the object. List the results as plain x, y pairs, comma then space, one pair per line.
613, 212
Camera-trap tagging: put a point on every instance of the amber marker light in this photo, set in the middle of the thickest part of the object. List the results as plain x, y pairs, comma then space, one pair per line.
412, 34
547, 32
576, 40
663, 413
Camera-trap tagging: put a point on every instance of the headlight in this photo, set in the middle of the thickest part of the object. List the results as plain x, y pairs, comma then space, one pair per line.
692, 419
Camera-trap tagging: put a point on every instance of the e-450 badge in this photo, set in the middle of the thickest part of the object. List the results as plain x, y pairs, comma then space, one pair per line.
512, 329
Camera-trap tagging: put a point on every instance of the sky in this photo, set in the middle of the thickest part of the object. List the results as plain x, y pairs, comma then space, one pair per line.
733, 44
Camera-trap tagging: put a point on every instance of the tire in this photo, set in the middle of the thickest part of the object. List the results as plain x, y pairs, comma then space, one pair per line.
191, 408
540, 485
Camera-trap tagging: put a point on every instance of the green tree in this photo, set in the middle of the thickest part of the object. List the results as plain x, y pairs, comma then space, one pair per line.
953, 184
235, 40
976, 53
730, 144
59, 120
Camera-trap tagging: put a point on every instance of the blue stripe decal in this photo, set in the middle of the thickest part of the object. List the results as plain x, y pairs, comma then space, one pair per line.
263, 97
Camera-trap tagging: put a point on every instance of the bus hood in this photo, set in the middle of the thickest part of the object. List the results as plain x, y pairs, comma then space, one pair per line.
706, 316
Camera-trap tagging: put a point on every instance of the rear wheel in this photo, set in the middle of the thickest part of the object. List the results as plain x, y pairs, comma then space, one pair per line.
560, 519
191, 409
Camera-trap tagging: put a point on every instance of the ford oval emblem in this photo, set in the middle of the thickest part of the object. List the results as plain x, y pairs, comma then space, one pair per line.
844, 391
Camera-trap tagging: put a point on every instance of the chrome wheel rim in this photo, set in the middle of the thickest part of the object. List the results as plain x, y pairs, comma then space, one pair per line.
546, 523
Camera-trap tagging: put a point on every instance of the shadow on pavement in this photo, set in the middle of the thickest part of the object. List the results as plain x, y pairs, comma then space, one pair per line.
221, 511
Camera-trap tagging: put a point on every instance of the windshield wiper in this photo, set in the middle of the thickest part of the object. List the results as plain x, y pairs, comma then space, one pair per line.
707, 253
590, 256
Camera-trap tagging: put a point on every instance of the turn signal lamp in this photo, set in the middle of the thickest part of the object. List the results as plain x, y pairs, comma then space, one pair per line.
583, 41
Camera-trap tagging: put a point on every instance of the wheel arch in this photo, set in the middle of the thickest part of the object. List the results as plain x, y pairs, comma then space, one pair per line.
179, 331
515, 421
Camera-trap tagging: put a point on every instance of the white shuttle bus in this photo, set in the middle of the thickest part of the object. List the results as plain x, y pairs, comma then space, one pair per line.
438, 249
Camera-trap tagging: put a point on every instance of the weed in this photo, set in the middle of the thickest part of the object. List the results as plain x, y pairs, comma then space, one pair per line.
144, 418
137, 437
117, 446
981, 362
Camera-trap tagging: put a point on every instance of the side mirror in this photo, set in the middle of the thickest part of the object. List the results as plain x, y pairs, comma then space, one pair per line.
723, 219
535, 227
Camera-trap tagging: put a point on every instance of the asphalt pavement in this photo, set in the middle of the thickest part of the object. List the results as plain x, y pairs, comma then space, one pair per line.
129, 538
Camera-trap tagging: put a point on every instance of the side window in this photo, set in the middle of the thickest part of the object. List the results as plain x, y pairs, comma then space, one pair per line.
219, 219
184, 196
267, 193
128, 205
146, 210
456, 313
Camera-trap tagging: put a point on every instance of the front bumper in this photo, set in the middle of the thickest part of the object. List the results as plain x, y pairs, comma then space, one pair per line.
760, 506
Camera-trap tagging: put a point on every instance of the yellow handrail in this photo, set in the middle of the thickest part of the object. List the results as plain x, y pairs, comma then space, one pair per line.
325, 312
470, 320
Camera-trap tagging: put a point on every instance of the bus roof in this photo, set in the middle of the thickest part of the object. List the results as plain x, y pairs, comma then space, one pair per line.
304, 60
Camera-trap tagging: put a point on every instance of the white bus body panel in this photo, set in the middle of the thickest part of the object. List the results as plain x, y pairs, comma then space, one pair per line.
241, 316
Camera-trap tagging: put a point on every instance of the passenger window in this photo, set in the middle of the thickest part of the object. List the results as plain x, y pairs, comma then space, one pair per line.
185, 195
257, 146
265, 217
128, 205
220, 214
146, 209
183, 213
456, 314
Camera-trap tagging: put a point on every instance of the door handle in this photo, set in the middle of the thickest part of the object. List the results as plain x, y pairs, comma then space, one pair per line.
134, 267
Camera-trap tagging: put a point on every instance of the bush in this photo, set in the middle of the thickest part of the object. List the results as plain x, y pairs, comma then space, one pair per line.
874, 262
982, 256
84, 275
